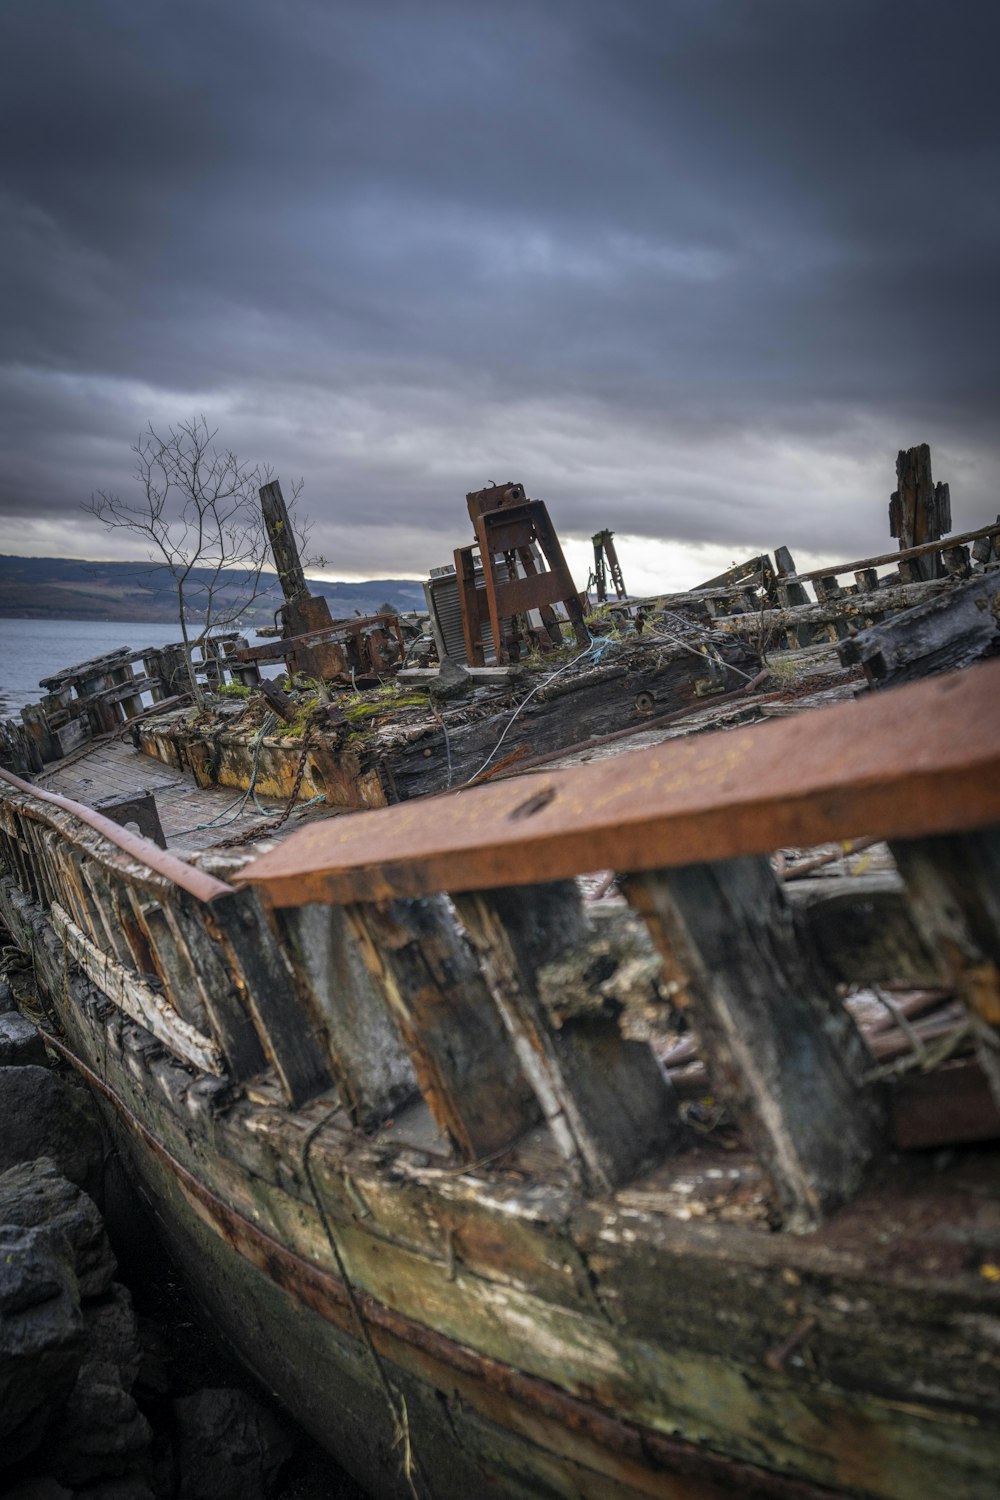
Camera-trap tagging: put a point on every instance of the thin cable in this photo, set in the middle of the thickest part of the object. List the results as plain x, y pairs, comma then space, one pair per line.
222, 819
447, 746
398, 1414
538, 686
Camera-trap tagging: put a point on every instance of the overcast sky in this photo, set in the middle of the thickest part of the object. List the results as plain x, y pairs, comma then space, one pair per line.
692, 269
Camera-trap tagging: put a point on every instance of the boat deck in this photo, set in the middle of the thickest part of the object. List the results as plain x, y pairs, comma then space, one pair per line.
193, 817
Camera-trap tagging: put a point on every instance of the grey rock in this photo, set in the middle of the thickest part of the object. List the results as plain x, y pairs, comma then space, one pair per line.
46, 1488
112, 1334
99, 1433
40, 1114
452, 680
7, 1001
20, 1043
129, 1488
36, 1193
153, 1378
229, 1446
41, 1334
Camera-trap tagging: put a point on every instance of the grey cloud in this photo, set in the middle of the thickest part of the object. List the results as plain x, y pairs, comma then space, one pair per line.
662, 261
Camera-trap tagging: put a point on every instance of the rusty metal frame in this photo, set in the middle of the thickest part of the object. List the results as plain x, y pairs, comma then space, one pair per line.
284, 645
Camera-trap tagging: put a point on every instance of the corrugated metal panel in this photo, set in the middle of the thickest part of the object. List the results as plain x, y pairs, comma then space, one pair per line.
442, 596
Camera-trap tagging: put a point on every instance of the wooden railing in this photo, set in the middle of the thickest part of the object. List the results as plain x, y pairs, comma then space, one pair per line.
97, 697
774, 599
444, 946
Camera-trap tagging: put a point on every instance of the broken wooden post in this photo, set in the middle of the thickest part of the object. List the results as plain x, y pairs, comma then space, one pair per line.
465, 1064
779, 1047
953, 882
284, 549
302, 611
370, 1065
267, 987
919, 510
791, 594
606, 1099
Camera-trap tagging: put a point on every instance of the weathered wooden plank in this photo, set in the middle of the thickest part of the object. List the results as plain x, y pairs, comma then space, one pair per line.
371, 1066
885, 764
268, 989
606, 1100
863, 928
839, 608
230, 1021
953, 881
136, 998
906, 554
171, 960
64, 877
567, 710
919, 510
778, 1045
104, 893
951, 631
463, 1058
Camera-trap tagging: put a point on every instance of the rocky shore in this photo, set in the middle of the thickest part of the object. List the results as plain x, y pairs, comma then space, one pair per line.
111, 1388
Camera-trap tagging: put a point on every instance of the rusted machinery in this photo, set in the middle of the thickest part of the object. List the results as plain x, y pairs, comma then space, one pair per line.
312, 642
515, 532
606, 563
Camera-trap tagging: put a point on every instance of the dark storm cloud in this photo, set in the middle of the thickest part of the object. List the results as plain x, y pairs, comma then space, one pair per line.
693, 269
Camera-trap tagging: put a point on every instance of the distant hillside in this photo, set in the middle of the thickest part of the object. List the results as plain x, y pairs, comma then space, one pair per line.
64, 588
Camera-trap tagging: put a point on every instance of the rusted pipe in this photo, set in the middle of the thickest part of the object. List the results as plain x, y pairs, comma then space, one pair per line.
177, 871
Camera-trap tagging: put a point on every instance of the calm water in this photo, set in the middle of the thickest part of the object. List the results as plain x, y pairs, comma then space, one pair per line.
32, 649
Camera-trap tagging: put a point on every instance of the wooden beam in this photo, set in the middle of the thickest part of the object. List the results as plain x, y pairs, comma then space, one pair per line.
136, 998
890, 764
953, 881
780, 1048
905, 553
371, 1067
606, 1100
268, 989
464, 1061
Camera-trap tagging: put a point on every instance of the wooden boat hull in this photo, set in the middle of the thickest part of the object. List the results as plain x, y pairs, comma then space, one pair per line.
611, 1321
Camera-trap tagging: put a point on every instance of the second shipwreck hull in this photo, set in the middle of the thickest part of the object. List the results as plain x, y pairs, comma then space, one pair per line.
394, 1129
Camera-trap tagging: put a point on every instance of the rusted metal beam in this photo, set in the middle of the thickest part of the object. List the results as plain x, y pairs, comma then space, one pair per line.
277, 649
919, 760
196, 882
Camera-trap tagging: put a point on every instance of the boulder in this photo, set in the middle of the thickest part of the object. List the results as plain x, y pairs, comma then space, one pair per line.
41, 1115
112, 1334
39, 1489
99, 1433
41, 1334
20, 1043
229, 1446
452, 680
35, 1193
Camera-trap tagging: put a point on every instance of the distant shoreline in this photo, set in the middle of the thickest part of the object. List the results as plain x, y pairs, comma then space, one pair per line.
63, 588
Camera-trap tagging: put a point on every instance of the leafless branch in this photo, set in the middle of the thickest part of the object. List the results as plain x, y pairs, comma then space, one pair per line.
197, 510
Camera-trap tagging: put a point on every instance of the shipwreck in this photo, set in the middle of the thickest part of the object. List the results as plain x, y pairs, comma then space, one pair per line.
552, 1094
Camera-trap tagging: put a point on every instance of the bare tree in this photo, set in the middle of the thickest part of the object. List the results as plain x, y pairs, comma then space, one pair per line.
198, 511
